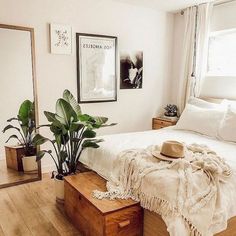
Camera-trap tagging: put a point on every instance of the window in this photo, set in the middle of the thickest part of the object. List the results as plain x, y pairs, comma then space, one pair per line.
222, 53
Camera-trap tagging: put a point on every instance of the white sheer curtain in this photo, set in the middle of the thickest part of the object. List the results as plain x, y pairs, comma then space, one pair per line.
203, 25
185, 80
195, 45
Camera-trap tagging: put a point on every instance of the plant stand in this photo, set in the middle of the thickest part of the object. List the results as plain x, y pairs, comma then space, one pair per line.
14, 156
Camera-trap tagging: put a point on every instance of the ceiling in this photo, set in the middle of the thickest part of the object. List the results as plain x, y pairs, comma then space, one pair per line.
165, 5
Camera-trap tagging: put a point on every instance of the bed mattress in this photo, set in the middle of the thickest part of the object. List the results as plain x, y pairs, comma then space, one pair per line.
101, 160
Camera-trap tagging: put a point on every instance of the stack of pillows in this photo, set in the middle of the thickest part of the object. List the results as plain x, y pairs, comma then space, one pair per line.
215, 120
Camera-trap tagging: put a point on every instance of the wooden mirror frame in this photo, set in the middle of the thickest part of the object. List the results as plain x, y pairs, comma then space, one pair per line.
35, 96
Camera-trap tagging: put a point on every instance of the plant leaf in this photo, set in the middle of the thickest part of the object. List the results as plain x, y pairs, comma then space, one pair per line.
68, 96
90, 144
51, 117
107, 125
85, 117
64, 112
89, 134
95, 140
100, 119
10, 127
11, 119
76, 127
41, 154
25, 111
39, 139
14, 137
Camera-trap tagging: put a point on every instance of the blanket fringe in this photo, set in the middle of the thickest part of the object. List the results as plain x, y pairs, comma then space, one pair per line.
152, 203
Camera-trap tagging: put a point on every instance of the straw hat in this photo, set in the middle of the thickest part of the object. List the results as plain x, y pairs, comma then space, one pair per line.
170, 151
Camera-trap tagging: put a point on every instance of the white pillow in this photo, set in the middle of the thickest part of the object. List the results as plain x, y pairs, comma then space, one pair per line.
201, 120
203, 104
227, 130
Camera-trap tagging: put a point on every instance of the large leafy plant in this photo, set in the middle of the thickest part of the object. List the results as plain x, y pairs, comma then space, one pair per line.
24, 127
72, 133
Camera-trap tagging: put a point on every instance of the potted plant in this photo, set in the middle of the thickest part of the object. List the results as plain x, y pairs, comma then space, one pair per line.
25, 132
72, 133
171, 110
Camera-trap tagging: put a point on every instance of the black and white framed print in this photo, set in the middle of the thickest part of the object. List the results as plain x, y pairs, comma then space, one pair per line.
131, 70
96, 68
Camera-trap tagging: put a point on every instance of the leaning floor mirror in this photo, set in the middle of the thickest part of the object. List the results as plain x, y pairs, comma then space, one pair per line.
18, 106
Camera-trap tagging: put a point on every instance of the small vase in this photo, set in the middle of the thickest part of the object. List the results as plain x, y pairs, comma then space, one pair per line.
59, 190
30, 165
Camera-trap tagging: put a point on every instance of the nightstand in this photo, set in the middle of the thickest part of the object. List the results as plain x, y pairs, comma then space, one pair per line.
159, 123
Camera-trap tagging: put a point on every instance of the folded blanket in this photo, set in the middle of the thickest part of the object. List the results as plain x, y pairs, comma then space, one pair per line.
190, 188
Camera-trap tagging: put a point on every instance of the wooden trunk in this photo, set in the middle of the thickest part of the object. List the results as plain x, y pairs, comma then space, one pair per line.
100, 217
14, 157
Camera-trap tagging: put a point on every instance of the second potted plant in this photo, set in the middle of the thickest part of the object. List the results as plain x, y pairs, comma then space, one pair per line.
25, 131
72, 132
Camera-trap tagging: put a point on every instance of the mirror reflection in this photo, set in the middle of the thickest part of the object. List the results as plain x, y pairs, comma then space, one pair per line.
17, 118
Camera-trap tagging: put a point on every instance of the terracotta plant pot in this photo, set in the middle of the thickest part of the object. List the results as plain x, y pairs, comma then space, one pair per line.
59, 190
30, 165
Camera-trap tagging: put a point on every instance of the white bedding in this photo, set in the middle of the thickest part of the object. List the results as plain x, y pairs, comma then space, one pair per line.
101, 160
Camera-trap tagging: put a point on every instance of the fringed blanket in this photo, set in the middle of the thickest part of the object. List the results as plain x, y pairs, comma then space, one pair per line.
189, 188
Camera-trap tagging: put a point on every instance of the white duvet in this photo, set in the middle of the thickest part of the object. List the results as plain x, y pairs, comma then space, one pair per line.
102, 159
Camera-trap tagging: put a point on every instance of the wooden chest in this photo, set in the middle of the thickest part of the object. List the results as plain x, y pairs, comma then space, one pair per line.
104, 217
14, 157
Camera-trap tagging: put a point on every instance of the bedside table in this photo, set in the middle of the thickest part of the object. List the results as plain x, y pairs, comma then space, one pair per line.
159, 123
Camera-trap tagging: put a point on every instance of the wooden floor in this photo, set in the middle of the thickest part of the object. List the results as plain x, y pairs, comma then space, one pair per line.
8, 175
30, 209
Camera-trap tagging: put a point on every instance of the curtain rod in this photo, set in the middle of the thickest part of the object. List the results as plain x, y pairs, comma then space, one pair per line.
218, 3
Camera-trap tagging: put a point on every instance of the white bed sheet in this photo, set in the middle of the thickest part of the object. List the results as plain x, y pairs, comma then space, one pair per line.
101, 160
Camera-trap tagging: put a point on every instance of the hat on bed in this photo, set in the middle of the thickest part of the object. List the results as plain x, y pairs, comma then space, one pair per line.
170, 151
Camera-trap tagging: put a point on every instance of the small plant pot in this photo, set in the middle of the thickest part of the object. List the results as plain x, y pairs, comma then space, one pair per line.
30, 165
59, 190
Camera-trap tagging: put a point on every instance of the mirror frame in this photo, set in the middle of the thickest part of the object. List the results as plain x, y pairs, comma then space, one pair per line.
35, 95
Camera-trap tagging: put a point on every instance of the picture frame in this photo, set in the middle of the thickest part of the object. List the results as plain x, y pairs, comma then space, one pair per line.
96, 68
61, 39
131, 69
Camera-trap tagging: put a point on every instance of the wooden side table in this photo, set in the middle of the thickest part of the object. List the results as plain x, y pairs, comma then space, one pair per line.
159, 123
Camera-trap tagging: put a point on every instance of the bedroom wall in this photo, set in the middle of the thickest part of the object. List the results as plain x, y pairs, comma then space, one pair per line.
137, 28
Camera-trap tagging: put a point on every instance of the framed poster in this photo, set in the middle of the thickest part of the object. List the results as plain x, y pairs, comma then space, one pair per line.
131, 70
96, 68
60, 36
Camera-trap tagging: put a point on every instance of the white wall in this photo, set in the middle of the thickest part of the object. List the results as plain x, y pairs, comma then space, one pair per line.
137, 28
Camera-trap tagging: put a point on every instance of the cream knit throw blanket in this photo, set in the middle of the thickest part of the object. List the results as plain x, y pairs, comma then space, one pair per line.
188, 187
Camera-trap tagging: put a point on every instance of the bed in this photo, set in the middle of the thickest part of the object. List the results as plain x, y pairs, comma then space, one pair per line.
101, 161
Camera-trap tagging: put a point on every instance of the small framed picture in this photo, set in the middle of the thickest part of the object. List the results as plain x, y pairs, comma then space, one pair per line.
96, 68
131, 69
61, 42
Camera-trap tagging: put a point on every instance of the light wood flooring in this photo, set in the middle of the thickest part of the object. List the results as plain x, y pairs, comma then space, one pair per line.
30, 209
8, 175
